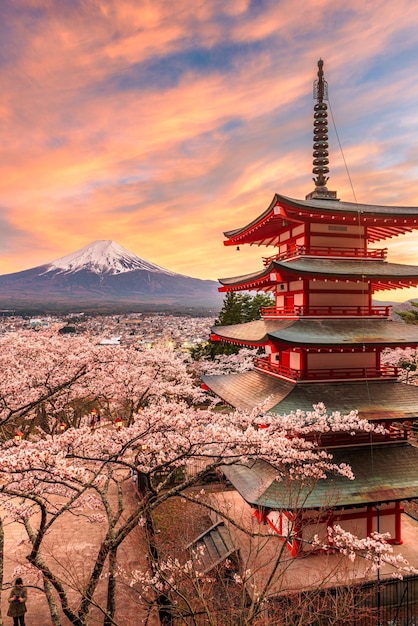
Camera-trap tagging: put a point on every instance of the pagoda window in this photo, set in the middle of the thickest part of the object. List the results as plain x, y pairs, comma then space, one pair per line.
274, 357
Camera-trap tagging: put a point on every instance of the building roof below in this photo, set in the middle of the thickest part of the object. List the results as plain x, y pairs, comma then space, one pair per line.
386, 473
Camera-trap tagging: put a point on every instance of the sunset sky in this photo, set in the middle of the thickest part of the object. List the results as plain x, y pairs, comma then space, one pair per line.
160, 124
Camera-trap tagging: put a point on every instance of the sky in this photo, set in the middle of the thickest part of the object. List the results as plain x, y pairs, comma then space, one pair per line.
160, 124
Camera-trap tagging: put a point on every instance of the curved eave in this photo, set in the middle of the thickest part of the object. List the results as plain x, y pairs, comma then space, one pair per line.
255, 333
256, 281
264, 230
382, 222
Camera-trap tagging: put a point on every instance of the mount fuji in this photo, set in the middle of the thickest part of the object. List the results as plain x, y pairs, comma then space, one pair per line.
105, 276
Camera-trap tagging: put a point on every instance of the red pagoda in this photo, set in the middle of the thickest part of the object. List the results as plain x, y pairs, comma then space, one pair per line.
322, 341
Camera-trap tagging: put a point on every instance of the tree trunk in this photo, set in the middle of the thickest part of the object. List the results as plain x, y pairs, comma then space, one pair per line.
53, 608
163, 602
111, 589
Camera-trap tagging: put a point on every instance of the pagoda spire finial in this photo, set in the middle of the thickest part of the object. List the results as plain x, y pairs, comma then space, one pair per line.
320, 138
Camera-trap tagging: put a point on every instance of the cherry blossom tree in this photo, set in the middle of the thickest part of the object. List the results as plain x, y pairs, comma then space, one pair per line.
242, 361
60, 475
405, 359
167, 443
49, 380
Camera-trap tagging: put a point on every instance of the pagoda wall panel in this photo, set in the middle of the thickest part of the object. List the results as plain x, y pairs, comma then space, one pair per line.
387, 524
308, 533
338, 299
320, 227
358, 521
294, 360
336, 287
334, 242
298, 230
356, 524
336, 360
279, 301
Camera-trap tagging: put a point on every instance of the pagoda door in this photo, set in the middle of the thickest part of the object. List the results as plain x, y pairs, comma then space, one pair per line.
289, 303
285, 363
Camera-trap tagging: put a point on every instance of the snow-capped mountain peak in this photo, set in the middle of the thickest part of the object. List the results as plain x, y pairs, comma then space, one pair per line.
104, 257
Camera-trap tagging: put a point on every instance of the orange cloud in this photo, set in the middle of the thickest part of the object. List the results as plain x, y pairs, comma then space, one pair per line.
162, 126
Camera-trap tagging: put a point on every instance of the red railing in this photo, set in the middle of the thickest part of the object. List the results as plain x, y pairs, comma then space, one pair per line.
327, 373
327, 311
327, 251
328, 440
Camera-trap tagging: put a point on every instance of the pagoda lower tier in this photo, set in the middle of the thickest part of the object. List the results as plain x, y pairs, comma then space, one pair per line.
385, 476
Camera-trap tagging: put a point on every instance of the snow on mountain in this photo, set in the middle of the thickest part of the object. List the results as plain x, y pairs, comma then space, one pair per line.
104, 257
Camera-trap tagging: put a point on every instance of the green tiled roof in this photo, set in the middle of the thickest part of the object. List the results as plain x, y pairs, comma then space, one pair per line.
330, 268
374, 400
347, 267
329, 332
383, 474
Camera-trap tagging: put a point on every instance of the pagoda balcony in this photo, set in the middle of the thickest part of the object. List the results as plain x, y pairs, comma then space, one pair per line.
320, 375
336, 440
326, 311
296, 250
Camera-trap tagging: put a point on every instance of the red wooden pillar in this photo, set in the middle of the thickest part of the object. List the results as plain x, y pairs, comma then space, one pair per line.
398, 524
370, 517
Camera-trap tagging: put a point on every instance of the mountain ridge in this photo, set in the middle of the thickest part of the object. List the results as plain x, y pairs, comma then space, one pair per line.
105, 274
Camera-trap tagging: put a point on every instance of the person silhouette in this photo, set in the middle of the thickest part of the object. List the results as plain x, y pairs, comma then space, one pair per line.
17, 603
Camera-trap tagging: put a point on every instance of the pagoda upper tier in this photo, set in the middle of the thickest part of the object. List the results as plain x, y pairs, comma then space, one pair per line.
371, 222
370, 276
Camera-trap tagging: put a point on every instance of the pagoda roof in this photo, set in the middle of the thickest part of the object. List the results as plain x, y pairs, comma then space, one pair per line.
381, 221
386, 473
374, 400
381, 274
256, 332
324, 332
